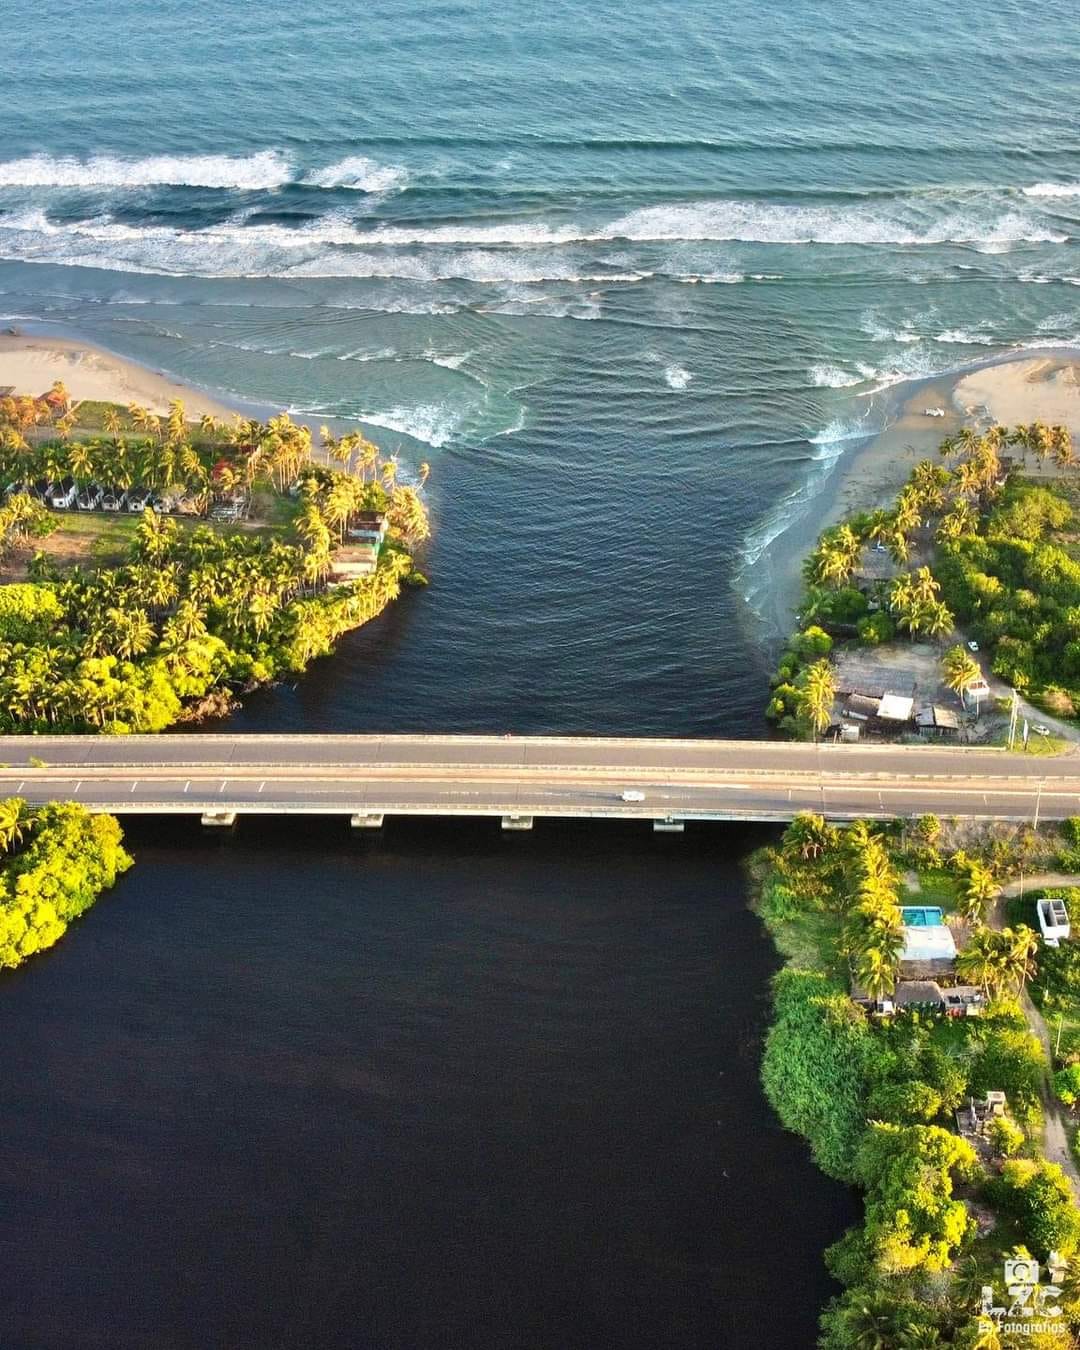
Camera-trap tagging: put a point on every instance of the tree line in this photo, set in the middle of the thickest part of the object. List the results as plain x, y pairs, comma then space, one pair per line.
876, 1096
997, 562
55, 860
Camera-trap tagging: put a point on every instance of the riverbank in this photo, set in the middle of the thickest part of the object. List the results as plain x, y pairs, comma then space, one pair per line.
864, 1062
242, 561
914, 418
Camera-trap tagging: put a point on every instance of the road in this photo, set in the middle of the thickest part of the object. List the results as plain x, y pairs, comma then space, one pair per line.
534, 776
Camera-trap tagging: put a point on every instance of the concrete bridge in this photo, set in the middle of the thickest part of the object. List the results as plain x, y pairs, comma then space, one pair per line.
519, 778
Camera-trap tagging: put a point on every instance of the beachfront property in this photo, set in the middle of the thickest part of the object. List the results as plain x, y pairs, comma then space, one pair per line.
368, 527
352, 562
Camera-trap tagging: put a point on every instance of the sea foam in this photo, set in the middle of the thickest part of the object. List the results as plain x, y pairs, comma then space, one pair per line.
267, 169
357, 173
1053, 190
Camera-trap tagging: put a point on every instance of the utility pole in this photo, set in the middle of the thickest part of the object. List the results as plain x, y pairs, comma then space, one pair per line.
1038, 800
1057, 1047
1012, 719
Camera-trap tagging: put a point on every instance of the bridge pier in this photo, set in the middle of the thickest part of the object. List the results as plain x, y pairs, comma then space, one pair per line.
517, 822
366, 820
218, 820
668, 826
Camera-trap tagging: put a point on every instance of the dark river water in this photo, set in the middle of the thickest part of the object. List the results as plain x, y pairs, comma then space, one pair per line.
441, 1089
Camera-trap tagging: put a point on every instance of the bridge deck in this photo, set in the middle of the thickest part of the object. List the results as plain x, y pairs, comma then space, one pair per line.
537, 776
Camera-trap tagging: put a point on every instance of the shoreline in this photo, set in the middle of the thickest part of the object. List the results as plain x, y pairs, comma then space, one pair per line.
1017, 386
30, 362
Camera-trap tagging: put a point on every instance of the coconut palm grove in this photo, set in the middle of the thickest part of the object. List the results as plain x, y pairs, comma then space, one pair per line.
190, 561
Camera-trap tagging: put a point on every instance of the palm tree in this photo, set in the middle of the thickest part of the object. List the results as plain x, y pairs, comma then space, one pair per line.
817, 694
981, 960
424, 473
1062, 447
960, 671
877, 966
809, 835
79, 460
177, 422
937, 619
958, 522
15, 820
869, 1320
1023, 944
919, 1336
111, 421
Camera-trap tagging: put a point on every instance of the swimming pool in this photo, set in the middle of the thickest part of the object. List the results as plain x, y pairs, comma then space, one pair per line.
921, 916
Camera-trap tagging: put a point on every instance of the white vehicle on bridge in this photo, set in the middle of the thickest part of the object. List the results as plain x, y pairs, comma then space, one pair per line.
631, 795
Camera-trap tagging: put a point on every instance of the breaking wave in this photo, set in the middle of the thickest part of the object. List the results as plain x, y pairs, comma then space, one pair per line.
677, 377
357, 173
263, 171
1053, 190
832, 377
267, 169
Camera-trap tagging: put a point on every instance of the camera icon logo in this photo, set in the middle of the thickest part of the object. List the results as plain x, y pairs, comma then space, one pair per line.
1021, 1271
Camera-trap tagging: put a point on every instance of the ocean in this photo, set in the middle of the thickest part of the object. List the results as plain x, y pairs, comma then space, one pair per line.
623, 274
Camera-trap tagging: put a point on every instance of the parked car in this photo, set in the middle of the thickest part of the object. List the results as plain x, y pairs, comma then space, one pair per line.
1041, 728
973, 646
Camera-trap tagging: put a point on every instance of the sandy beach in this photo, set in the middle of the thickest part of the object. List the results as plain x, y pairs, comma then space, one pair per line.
921, 414
30, 364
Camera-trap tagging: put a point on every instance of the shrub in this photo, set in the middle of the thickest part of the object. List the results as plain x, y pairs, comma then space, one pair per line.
1038, 1196
70, 858
1006, 1137
811, 644
813, 1068
875, 629
1067, 1084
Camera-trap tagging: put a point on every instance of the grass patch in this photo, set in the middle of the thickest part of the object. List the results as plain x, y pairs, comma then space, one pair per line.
937, 886
90, 415
1037, 745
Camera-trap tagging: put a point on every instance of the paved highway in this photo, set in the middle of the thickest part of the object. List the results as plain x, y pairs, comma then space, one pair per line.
533, 776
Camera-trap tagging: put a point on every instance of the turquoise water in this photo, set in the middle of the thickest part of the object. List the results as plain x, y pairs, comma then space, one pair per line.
919, 916
624, 274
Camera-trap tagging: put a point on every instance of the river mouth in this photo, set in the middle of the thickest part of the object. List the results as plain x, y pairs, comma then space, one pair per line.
444, 1087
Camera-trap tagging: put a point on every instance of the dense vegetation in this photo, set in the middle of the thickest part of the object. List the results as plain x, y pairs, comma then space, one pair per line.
997, 557
191, 612
876, 1096
54, 863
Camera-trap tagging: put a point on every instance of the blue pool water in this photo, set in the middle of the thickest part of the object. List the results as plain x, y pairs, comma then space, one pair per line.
921, 916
